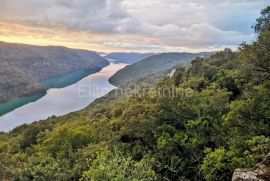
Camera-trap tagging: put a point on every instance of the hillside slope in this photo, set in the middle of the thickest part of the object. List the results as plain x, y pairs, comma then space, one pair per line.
23, 67
151, 65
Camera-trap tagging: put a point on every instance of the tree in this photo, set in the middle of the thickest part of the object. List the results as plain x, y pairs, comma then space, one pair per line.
178, 75
115, 166
263, 22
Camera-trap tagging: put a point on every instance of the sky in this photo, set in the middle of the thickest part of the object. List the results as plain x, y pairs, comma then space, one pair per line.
131, 25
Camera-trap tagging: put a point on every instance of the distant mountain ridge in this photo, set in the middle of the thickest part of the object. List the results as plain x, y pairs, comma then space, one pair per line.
128, 58
153, 64
23, 67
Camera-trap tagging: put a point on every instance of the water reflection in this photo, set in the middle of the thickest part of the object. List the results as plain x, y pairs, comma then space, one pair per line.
64, 100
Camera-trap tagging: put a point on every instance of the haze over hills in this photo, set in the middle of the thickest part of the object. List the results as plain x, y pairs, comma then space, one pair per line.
153, 64
128, 58
24, 67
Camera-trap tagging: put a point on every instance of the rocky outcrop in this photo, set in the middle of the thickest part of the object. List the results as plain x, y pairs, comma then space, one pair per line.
261, 172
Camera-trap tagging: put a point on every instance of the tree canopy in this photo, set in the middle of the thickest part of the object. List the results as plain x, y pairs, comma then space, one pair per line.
216, 120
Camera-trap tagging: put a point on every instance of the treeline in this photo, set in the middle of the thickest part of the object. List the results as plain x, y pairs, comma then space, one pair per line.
221, 124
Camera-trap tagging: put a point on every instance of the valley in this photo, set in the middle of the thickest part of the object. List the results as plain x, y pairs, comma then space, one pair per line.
128, 58
137, 116
27, 72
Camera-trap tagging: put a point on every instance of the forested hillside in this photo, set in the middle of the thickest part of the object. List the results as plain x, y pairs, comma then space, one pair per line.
201, 124
23, 67
153, 64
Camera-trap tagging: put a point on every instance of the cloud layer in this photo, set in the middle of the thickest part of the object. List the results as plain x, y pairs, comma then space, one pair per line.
141, 25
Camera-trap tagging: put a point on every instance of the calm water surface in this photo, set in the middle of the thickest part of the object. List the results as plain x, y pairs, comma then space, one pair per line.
61, 101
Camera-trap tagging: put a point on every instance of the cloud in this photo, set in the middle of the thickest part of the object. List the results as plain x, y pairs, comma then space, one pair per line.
172, 24
104, 16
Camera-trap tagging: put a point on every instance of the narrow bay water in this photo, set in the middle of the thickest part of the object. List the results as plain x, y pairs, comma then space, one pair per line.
62, 101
